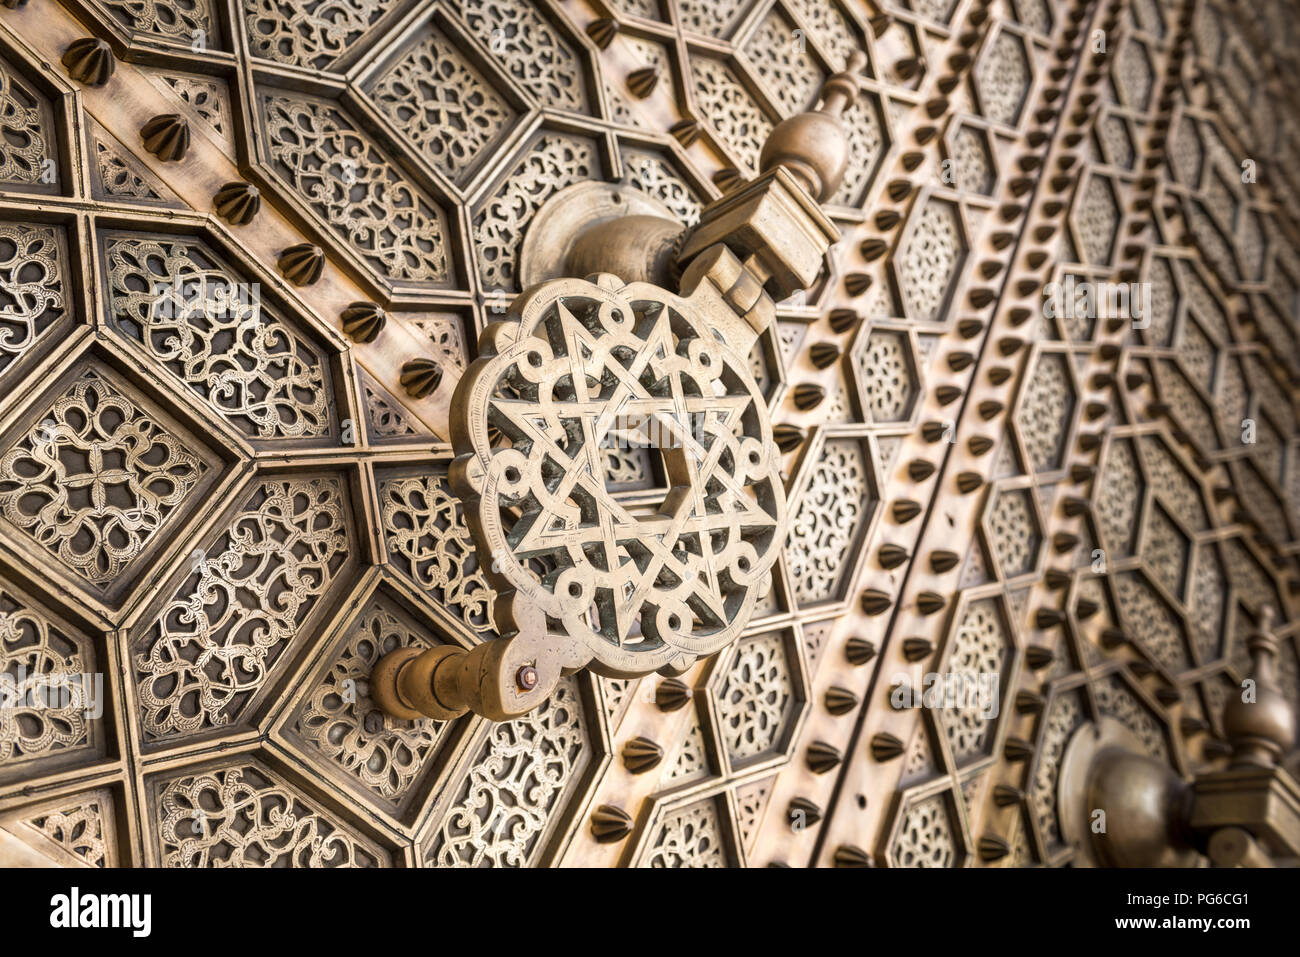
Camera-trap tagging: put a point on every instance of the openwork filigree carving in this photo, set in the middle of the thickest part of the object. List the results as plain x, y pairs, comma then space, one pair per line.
1003, 79
979, 649
886, 371
832, 508
552, 163
356, 189
635, 591
925, 837
532, 50
426, 538
200, 320
78, 829
24, 145
931, 259
514, 790
442, 104
736, 116
339, 720
215, 643
311, 34
95, 479
33, 273
36, 658
1046, 408
1014, 529
756, 698
690, 837
175, 20
245, 816
786, 68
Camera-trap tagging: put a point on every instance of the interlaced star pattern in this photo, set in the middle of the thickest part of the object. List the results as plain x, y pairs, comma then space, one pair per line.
639, 586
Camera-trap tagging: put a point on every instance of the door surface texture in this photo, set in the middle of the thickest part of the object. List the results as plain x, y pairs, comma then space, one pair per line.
1034, 419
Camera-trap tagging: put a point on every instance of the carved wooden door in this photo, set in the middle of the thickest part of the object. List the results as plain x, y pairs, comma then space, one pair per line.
224, 494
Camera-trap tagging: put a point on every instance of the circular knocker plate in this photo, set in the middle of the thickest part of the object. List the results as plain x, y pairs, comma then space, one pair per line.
628, 585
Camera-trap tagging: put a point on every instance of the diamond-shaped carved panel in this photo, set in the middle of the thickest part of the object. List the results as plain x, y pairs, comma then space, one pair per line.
96, 478
931, 257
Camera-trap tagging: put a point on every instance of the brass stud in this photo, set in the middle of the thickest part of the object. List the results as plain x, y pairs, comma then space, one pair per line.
909, 67
1168, 696
363, 321
1018, 749
1112, 638
899, 190
934, 431
875, 601
727, 179
610, 824
89, 61
685, 132
802, 813
859, 651
917, 648
787, 437
891, 555
929, 602
847, 855
1004, 795
602, 31
641, 754
1048, 618
840, 701
1029, 702
1038, 657
824, 354
822, 757
843, 320
1074, 506
885, 746
873, 249
993, 848
919, 470
857, 283
942, 560
167, 136
421, 377
237, 203
905, 510
301, 264
808, 395
672, 694
1190, 726
642, 82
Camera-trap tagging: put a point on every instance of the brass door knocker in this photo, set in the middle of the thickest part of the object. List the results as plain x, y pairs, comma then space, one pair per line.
584, 580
